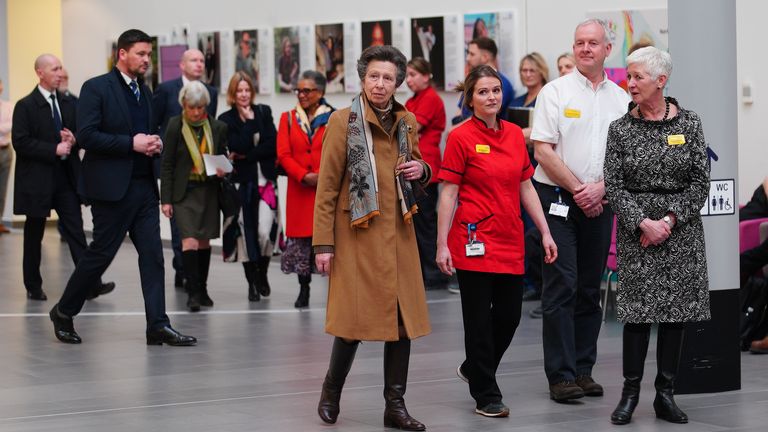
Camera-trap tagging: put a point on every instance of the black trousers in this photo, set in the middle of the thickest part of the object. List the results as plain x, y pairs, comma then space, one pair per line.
570, 295
136, 214
67, 206
425, 224
490, 307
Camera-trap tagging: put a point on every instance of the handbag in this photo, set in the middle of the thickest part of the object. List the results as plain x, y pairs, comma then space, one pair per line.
229, 198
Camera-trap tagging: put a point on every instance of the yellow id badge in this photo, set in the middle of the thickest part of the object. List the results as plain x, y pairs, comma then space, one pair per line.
572, 113
676, 140
482, 148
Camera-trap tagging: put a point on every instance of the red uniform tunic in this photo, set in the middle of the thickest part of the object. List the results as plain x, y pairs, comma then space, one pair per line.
429, 110
298, 157
488, 166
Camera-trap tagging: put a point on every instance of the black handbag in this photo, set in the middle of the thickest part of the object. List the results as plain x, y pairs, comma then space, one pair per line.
229, 198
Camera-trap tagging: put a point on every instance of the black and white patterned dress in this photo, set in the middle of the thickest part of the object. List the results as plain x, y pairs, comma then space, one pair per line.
648, 174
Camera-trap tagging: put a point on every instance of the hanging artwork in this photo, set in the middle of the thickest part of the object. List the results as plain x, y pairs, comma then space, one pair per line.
246, 54
209, 44
286, 58
329, 47
428, 41
376, 33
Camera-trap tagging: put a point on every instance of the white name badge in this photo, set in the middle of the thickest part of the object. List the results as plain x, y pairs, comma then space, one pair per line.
475, 249
558, 209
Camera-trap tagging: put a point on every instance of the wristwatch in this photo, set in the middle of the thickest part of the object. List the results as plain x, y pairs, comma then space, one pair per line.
668, 220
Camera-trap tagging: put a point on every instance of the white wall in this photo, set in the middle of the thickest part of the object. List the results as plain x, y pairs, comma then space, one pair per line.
751, 67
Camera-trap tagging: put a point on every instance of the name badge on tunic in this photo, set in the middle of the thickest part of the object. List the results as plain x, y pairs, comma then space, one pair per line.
572, 113
676, 140
482, 148
473, 247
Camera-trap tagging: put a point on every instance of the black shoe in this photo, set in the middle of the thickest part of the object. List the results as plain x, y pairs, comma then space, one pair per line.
261, 277
531, 294
167, 335
565, 391
178, 280
101, 290
205, 299
589, 386
667, 409
63, 327
460, 373
37, 294
493, 409
536, 313
193, 302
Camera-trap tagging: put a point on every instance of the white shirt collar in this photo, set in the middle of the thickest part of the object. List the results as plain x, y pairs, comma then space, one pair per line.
46, 94
127, 78
184, 80
581, 78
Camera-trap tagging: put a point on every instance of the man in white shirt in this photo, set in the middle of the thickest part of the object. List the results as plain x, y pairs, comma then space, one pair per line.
570, 129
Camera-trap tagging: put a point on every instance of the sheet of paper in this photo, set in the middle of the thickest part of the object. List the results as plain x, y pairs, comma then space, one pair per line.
216, 161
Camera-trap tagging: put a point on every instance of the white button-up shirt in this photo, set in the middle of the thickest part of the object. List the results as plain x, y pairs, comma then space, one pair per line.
575, 117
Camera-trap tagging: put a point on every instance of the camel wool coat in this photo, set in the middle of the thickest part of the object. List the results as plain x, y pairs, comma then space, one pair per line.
374, 269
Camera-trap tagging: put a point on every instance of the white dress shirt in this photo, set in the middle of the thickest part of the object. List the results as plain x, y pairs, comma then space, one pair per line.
575, 117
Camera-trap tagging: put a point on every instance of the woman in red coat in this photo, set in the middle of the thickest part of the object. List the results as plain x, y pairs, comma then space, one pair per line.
299, 142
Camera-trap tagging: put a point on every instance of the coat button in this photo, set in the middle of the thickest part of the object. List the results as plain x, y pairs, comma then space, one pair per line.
309, 151
309, 167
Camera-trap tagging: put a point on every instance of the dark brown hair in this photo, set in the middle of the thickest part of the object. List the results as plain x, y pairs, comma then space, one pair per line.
420, 65
487, 44
468, 86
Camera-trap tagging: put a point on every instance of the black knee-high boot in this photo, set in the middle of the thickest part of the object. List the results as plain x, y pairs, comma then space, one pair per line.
250, 275
341, 361
668, 350
204, 260
303, 300
191, 263
396, 358
635, 348
263, 282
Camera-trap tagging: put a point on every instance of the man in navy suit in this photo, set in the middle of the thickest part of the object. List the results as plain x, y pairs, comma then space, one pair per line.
46, 173
114, 119
165, 104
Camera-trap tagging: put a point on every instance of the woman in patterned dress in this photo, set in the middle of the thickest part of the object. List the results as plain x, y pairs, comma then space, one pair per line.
657, 180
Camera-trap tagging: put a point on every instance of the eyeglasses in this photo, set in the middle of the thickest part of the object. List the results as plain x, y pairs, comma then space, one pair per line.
304, 91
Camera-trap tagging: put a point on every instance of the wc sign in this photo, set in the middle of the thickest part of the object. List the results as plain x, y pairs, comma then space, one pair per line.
721, 199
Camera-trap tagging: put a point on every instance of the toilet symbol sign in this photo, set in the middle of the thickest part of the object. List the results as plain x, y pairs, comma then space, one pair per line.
721, 199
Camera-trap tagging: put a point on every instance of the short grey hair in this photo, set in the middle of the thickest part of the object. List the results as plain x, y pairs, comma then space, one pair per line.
384, 53
316, 77
655, 61
194, 94
598, 21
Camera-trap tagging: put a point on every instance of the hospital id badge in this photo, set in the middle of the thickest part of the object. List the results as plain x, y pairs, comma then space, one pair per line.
558, 209
475, 249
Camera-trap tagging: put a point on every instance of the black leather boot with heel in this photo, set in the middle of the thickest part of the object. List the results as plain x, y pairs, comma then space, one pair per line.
342, 355
250, 275
396, 359
302, 300
634, 350
204, 261
668, 350
191, 263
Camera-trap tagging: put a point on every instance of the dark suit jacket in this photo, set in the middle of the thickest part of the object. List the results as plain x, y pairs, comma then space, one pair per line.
165, 103
35, 139
241, 135
177, 163
105, 131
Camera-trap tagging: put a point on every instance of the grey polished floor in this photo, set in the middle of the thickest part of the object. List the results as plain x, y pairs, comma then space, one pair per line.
259, 366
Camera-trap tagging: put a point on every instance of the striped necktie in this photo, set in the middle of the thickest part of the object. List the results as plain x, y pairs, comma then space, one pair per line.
135, 89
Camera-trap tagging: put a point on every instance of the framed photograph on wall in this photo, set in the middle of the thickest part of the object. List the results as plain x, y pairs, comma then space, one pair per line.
210, 43
376, 33
286, 58
246, 54
428, 41
329, 48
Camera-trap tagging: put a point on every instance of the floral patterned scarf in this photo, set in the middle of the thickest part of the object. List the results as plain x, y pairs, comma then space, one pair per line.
361, 165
